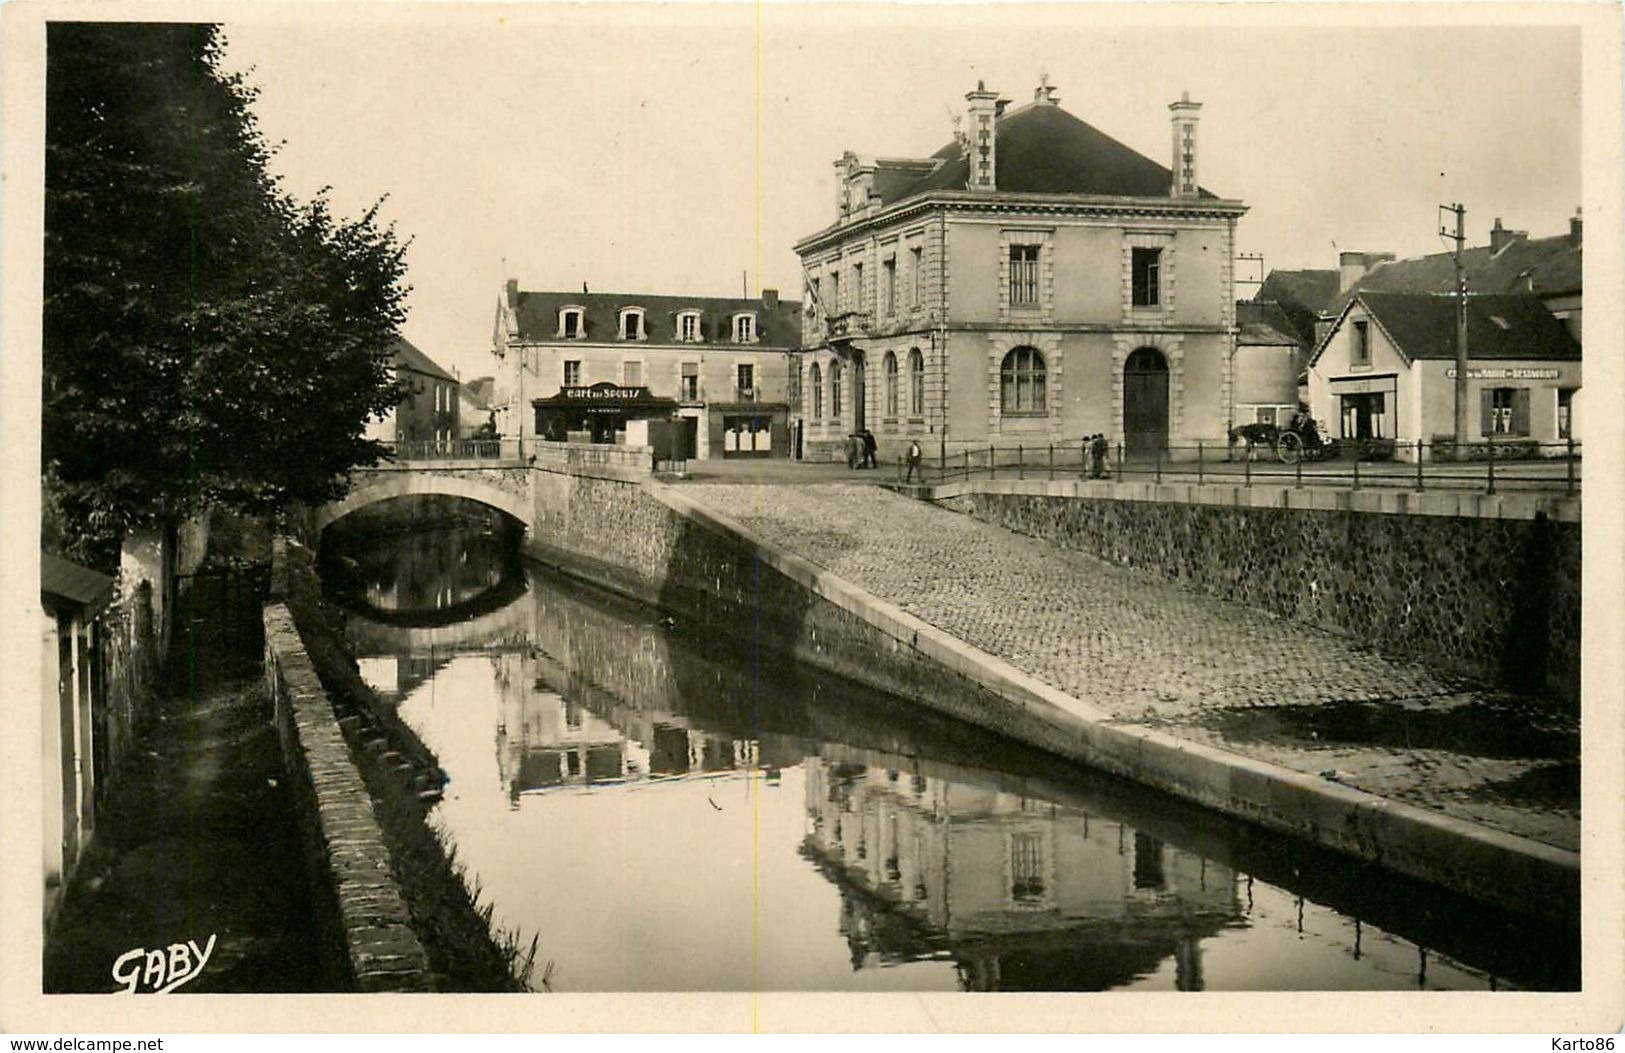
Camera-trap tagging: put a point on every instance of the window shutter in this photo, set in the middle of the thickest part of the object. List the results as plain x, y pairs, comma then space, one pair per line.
1520, 411
1486, 411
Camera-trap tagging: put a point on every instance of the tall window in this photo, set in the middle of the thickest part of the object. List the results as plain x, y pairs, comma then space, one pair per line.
916, 273
1024, 275
834, 292
891, 384
632, 374
570, 323
688, 382
1026, 867
916, 383
1022, 387
889, 285
688, 327
572, 374
744, 329
632, 324
1565, 413
858, 289
1505, 411
1147, 267
815, 294
1360, 352
835, 390
746, 376
815, 381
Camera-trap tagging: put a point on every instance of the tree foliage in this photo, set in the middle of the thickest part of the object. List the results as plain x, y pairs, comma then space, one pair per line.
207, 339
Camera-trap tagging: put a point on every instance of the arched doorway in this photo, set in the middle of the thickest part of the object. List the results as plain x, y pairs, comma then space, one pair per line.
859, 397
1145, 402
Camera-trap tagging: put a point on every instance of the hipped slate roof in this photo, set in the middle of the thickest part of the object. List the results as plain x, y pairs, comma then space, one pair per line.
1554, 265
1265, 324
1042, 149
80, 586
412, 360
538, 318
1423, 326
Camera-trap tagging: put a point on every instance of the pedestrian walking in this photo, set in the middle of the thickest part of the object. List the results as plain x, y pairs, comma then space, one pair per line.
914, 461
854, 451
1097, 456
869, 447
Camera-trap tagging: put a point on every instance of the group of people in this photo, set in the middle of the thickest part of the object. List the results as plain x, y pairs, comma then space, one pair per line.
860, 453
1096, 447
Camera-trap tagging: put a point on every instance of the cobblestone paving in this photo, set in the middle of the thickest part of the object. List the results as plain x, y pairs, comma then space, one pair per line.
1140, 649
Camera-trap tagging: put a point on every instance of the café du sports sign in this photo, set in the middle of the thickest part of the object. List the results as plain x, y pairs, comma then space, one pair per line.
606, 397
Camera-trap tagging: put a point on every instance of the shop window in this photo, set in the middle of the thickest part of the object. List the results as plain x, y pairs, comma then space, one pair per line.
632, 323
891, 384
1360, 351
1024, 275
688, 382
1365, 416
815, 382
572, 373
1022, 382
835, 390
1146, 266
1505, 411
1565, 413
888, 279
916, 383
572, 323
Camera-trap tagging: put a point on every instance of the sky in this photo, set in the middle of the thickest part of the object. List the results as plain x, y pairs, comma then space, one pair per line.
631, 151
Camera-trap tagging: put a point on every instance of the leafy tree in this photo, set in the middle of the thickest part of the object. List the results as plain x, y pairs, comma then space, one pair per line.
207, 339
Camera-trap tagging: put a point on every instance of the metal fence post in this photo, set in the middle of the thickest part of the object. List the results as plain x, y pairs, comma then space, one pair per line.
1247, 469
1571, 465
1297, 472
1356, 485
1052, 460
1021, 462
1491, 448
992, 463
1199, 462
1159, 462
1421, 484
1119, 460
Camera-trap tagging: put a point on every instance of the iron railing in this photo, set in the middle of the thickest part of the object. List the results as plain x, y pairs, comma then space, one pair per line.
455, 449
1484, 467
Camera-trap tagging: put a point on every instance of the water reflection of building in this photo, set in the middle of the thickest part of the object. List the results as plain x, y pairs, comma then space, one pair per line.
394, 677
558, 730
430, 570
1019, 892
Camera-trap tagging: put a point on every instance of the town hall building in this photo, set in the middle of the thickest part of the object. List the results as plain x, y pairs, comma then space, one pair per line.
1032, 282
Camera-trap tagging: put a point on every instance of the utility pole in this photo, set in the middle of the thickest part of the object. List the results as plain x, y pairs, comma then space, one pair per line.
1460, 238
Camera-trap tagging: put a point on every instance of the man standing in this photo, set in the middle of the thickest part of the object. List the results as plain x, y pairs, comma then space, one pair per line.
869, 446
914, 461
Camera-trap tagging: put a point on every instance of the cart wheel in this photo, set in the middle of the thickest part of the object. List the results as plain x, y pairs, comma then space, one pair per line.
1289, 447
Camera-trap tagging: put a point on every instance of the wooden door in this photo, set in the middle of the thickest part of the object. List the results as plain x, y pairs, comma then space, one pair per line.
1145, 403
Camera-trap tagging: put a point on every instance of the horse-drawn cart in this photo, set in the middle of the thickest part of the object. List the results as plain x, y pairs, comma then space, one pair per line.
1298, 441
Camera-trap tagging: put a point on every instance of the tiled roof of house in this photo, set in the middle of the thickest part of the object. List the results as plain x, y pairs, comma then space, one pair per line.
1042, 149
1302, 294
1265, 324
1544, 266
478, 391
1499, 326
538, 317
409, 358
80, 586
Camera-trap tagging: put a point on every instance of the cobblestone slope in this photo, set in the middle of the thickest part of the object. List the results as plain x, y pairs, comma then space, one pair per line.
1150, 653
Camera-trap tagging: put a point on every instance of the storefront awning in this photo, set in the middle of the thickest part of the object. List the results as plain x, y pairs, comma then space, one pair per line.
606, 399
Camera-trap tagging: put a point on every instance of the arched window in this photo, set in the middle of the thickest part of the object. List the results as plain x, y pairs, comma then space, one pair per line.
835, 390
891, 384
815, 384
916, 383
1022, 381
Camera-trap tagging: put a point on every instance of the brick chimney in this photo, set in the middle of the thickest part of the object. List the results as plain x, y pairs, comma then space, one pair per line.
981, 112
1500, 237
1185, 114
1574, 229
513, 294
770, 299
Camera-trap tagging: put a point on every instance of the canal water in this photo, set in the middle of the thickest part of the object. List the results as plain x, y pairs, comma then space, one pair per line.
675, 807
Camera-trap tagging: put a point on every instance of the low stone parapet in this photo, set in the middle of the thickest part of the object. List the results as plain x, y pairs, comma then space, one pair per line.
345, 849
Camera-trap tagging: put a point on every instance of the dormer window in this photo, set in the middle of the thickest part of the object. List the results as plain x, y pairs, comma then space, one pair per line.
572, 323
744, 328
631, 323
688, 327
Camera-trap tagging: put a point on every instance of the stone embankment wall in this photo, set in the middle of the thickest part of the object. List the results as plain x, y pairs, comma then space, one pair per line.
1492, 597
651, 542
362, 907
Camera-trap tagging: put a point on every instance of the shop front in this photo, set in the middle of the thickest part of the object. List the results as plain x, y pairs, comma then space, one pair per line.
597, 413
